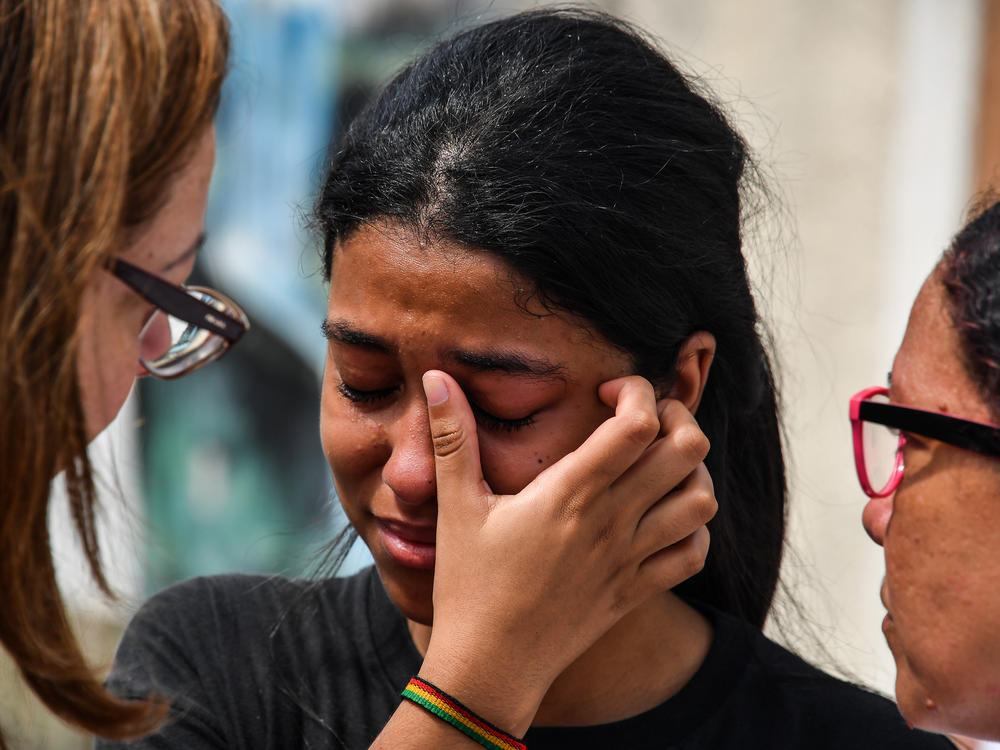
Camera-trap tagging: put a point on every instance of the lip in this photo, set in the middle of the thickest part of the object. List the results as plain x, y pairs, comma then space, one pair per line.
887, 624
410, 545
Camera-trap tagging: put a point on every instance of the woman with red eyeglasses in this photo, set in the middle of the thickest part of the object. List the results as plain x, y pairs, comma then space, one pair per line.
927, 451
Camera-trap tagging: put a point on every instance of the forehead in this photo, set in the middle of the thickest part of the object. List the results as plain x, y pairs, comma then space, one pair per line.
928, 371
175, 228
435, 296
410, 271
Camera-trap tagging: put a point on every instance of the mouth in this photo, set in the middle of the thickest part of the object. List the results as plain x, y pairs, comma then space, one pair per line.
887, 624
887, 621
883, 594
410, 545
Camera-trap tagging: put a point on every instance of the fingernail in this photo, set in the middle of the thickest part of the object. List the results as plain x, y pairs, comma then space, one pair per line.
435, 389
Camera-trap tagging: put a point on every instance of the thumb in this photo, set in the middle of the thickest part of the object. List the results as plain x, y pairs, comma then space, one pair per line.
457, 466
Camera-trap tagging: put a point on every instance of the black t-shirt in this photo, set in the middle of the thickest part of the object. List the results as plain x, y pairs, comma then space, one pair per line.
256, 662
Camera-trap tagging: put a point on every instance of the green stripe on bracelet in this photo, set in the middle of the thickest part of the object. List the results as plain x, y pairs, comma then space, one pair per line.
442, 705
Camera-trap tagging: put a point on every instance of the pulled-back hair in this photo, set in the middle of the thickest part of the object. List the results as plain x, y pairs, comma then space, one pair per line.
101, 103
971, 276
566, 144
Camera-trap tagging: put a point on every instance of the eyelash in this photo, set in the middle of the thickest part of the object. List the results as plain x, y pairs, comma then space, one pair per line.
484, 418
496, 424
363, 397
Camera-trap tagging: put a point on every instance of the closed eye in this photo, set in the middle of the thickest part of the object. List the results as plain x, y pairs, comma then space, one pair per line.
484, 418
491, 422
357, 396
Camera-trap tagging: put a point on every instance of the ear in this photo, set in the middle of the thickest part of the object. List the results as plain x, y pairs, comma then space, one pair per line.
693, 363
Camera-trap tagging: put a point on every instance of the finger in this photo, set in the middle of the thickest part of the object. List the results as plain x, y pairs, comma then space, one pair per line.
669, 567
677, 515
457, 465
673, 414
614, 446
666, 463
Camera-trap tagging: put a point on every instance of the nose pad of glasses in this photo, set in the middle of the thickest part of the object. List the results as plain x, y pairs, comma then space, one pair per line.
155, 338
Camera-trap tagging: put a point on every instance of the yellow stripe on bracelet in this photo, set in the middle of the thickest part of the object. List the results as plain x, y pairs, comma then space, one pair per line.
442, 705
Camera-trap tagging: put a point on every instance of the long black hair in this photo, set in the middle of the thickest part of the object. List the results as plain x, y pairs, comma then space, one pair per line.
566, 144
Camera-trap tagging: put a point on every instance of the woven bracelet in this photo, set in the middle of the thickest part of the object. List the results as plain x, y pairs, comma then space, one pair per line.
445, 707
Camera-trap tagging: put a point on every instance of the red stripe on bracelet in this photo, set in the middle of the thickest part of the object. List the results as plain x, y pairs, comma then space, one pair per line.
453, 711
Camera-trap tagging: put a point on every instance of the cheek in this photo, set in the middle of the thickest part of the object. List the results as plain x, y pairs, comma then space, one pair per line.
511, 460
353, 444
107, 360
510, 463
942, 575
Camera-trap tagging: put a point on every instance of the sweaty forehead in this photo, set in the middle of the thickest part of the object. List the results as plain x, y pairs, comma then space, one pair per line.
417, 272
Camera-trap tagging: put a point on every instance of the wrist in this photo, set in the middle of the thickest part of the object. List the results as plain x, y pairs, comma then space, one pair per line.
452, 711
508, 698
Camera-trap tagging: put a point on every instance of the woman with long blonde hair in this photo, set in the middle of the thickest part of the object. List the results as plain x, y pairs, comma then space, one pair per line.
106, 147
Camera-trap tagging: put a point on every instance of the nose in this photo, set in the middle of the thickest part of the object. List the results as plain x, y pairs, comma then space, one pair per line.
875, 517
409, 472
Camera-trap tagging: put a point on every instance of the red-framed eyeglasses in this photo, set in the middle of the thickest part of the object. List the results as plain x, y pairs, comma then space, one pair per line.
879, 430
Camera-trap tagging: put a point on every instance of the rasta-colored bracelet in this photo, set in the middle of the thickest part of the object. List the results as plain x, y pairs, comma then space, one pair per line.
451, 710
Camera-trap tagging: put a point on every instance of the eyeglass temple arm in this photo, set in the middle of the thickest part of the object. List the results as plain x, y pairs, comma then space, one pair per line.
177, 302
974, 436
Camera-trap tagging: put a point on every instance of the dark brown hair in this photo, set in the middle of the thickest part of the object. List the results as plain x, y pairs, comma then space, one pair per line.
101, 102
970, 271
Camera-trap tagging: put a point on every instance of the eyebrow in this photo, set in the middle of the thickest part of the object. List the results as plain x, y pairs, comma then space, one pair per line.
489, 360
512, 363
197, 245
344, 332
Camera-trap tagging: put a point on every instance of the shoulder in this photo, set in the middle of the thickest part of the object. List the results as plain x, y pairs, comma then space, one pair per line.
258, 600
221, 606
249, 659
211, 624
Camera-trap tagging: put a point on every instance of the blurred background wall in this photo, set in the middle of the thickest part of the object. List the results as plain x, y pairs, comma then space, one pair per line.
877, 121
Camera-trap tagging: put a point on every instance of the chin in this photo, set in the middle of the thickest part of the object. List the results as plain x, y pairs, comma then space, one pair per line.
941, 709
412, 591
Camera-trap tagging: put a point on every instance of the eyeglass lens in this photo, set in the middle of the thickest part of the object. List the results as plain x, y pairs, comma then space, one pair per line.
880, 447
170, 346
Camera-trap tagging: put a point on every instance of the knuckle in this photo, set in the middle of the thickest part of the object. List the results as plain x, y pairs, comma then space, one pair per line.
691, 442
704, 506
448, 441
571, 508
693, 561
642, 427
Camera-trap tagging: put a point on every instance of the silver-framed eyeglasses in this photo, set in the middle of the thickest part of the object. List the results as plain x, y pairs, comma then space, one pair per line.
190, 327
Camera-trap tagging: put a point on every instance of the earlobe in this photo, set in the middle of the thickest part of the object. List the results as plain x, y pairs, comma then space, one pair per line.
693, 364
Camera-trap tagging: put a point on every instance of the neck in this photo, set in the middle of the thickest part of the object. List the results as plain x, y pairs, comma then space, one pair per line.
646, 658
